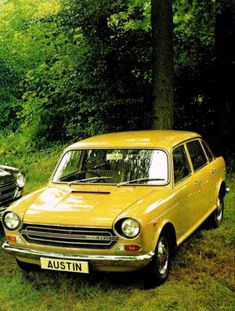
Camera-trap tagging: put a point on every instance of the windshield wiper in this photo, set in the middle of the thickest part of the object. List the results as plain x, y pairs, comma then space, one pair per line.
93, 179
139, 179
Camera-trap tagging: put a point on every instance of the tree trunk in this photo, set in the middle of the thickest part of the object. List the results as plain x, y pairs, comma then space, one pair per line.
225, 70
162, 33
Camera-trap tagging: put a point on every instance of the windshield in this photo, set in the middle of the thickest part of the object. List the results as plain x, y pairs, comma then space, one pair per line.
113, 166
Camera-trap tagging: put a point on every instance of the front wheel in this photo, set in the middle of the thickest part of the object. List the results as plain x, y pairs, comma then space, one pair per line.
160, 266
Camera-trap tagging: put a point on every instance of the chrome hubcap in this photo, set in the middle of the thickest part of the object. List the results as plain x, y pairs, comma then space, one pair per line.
219, 211
162, 256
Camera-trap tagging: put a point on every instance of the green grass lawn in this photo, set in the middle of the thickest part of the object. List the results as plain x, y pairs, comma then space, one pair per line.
202, 276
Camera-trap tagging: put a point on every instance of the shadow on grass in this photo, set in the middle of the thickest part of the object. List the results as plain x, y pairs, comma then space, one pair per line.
102, 281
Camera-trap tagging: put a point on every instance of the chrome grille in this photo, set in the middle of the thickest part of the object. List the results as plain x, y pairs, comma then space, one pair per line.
7, 193
72, 237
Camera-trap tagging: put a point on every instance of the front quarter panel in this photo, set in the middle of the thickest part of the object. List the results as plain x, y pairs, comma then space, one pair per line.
152, 212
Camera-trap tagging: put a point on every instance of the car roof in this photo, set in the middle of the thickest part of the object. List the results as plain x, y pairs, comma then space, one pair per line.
164, 139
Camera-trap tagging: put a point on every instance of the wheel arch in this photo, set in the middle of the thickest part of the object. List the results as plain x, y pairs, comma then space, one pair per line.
222, 189
169, 229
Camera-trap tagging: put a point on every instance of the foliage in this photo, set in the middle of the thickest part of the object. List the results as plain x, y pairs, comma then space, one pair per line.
70, 69
8, 93
23, 48
98, 76
194, 44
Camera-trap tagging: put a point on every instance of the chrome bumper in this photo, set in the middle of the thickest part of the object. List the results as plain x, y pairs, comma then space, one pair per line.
137, 261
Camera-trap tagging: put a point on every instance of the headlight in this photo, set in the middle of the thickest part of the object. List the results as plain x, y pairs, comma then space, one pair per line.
128, 227
20, 179
11, 220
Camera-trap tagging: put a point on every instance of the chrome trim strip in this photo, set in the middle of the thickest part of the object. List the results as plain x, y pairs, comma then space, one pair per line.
34, 241
66, 228
105, 260
35, 234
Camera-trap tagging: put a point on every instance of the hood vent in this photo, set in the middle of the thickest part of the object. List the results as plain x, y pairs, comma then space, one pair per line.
90, 191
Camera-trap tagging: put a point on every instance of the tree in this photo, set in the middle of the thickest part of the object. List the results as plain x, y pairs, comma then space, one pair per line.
225, 69
112, 78
162, 35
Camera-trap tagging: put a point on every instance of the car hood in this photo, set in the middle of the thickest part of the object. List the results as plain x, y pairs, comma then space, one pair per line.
83, 205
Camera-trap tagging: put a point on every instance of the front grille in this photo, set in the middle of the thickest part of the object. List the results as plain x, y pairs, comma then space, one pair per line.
7, 193
72, 237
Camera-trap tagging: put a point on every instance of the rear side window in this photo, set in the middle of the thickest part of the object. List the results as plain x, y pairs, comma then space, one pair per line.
181, 164
197, 154
208, 152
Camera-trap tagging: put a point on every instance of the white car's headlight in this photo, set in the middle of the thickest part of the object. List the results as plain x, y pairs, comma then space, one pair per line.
20, 179
128, 227
11, 220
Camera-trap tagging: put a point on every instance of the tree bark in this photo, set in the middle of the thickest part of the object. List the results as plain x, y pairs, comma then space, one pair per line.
162, 34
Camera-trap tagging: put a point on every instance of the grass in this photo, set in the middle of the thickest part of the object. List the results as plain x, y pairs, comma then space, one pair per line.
37, 166
202, 276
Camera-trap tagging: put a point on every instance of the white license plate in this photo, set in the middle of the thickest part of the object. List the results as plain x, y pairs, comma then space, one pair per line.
64, 265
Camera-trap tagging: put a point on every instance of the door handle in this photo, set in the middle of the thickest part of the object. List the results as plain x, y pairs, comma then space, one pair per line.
197, 182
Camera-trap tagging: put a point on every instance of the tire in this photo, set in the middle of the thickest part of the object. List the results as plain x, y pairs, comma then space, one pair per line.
160, 266
216, 217
27, 267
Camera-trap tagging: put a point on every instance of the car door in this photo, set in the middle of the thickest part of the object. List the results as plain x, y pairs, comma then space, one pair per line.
201, 180
185, 193
212, 173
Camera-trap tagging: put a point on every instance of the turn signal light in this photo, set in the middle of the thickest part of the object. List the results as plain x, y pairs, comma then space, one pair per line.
11, 238
132, 248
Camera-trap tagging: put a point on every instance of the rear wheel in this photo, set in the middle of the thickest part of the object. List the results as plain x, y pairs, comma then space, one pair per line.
216, 217
160, 266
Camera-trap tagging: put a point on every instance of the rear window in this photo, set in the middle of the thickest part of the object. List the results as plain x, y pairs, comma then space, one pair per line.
197, 154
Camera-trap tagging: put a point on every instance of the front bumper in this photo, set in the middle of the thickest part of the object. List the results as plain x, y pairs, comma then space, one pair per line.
98, 262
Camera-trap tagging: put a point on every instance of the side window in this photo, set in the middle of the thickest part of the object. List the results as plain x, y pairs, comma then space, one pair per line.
208, 151
181, 165
197, 154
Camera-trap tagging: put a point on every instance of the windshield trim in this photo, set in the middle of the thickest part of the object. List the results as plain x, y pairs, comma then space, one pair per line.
114, 184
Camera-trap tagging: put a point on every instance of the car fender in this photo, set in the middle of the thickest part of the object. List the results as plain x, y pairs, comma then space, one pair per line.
221, 188
160, 227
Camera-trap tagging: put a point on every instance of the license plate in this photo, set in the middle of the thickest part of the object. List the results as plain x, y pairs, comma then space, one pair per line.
64, 265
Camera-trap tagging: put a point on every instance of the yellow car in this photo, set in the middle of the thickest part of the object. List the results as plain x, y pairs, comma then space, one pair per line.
118, 202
